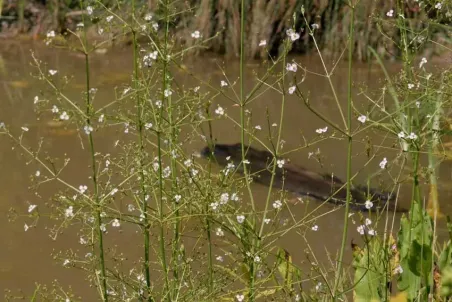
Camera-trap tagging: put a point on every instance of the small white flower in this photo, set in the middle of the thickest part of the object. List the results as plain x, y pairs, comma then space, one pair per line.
38, 173
53, 71
100, 31
291, 67
219, 110
277, 204
31, 208
262, 43
368, 204
114, 191
318, 287
234, 197
360, 229
155, 26
257, 259
383, 163
35, 100
267, 220
89, 10
410, 86
219, 232
83, 241
398, 270
438, 5
280, 163
224, 198
423, 61
82, 189
220, 258
223, 84
158, 103
315, 228
167, 92
240, 298
258, 127
322, 130
292, 35
69, 212
371, 232
130, 207
116, 223
196, 34
246, 162
196, 89
103, 227
64, 116
390, 13
51, 34
66, 262
418, 104
401, 134
25, 129
367, 221
362, 118
55, 109
291, 89
240, 218
88, 129
148, 17
412, 136
315, 26
214, 205
80, 24
26, 227
109, 18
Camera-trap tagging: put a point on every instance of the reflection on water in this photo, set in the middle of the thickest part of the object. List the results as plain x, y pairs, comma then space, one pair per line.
26, 256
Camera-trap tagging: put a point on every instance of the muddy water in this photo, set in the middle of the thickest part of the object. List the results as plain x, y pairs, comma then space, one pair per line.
26, 256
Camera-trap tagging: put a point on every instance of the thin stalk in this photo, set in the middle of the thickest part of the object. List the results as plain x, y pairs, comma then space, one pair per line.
251, 280
141, 151
349, 154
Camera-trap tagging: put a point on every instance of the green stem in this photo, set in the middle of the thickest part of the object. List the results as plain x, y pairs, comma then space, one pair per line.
349, 155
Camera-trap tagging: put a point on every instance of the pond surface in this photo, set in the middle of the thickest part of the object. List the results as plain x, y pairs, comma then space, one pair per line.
26, 256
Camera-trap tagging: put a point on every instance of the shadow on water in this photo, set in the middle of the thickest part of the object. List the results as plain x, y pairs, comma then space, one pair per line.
26, 256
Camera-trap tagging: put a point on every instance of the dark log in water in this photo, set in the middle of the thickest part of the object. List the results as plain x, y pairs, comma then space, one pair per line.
298, 180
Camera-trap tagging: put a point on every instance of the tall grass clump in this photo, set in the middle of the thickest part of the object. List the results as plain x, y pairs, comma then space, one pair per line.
204, 234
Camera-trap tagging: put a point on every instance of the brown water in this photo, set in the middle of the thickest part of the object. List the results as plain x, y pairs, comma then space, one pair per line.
26, 256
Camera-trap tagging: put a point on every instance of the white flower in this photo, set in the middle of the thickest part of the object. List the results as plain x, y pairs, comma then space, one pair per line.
219, 110
367, 221
277, 204
155, 26
100, 31
69, 212
196, 89
55, 109
116, 223
114, 191
262, 43
398, 270
315, 228
423, 61
158, 104
383, 163
130, 207
267, 220
240, 298
412, 136
53, 71
88, 129
291, 67
196, 34
258, 127
66, 262
371, 232
318, 286
103, 227
401, 134
64, 116
292, 35
214, 205
418, 104
80, 24
234, 197
24, 129
240, 218
109, 18
35, 100
322, 130
280, 163
26, 227
83, 240
220, 258
390, 13
223, 84
410, 86
167, 92
360, 229
89, 10
438, 5
224, 198
101, 118
291, 89
31, 208
38, 173
51, 34
82, 189
257, 259
177, 198
219, 232
368, 204
315, 26
362, 118
148, 17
